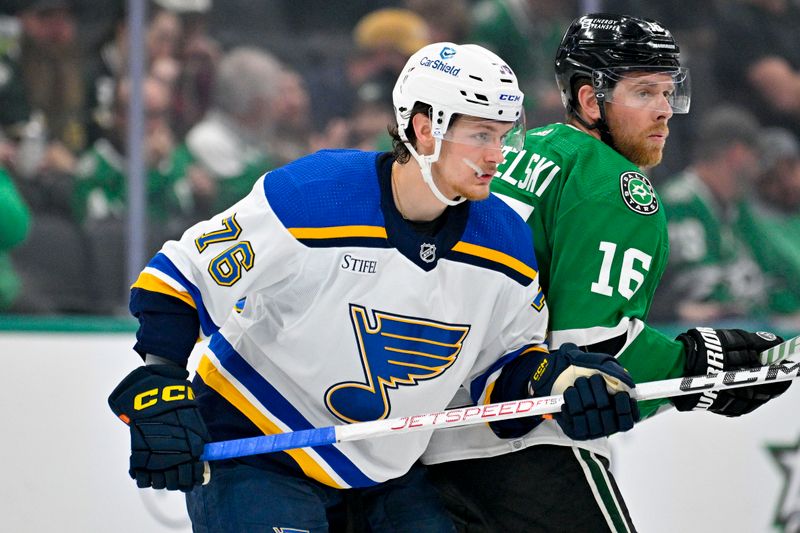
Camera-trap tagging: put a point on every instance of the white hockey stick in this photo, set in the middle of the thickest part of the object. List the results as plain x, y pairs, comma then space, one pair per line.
780, 370
785, 350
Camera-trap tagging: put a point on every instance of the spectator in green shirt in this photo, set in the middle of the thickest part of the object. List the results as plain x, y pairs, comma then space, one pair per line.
101, 182
14, 224
711, 274
772, 223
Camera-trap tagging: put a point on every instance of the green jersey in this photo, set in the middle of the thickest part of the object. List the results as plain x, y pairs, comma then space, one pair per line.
600, 237
775, 241
101, 185
14, 225
710, 261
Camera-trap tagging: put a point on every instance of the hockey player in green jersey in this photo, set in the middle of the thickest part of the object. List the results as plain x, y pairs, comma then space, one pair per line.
601, 242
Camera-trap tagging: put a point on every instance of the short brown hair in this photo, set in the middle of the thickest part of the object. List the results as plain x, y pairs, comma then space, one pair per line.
573, 110
399, 149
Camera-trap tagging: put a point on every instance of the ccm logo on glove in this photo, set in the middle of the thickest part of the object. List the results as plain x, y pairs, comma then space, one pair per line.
538, 374
168, 394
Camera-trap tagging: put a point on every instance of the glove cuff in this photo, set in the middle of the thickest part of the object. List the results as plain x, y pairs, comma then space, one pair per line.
151, 390
541, 380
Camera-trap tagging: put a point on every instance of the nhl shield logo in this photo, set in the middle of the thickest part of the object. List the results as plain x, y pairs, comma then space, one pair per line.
638, 193
427, 252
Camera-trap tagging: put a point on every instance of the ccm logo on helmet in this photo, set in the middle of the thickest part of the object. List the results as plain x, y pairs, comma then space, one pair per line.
510, 97
437, 64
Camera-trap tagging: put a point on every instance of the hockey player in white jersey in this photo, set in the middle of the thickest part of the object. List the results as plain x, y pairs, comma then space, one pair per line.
365, 286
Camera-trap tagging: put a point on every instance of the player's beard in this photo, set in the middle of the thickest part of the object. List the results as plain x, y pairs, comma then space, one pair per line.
637, 149
475, 194
470, 191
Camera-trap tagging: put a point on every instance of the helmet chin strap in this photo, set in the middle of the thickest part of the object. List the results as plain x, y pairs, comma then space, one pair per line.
600, 125
425, 162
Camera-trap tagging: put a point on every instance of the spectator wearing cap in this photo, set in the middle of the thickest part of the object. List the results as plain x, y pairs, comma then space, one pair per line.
711, 274
772, 223
46, 87
383, 40
778, 185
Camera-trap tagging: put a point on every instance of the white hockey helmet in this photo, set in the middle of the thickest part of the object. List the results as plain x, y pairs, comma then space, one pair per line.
457, 79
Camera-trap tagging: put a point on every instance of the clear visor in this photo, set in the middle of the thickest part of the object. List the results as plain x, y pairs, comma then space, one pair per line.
485, 133
645, 88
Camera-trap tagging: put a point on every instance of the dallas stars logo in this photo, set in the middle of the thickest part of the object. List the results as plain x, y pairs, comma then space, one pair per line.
787, 515
638, 193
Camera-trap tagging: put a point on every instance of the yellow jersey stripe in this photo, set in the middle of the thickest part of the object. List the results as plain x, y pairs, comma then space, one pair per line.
338, 232
487, 398
214, 379
494, 255
536, 349
153, 283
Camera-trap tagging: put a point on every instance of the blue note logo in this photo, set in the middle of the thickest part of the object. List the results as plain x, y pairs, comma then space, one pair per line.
538, 300
395, 351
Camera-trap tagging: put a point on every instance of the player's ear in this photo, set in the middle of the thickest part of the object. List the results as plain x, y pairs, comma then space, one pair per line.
588, 104
424, 133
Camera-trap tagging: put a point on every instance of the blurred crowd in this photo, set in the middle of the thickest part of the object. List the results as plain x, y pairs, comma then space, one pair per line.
235, 88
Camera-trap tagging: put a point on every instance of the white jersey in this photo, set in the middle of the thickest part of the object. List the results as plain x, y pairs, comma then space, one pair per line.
350, 315
478, 441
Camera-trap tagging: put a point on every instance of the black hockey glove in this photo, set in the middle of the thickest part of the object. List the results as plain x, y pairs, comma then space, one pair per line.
595, 389
709, 351
167, 432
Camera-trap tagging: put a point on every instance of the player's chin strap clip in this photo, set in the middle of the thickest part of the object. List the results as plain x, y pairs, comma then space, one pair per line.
425, 162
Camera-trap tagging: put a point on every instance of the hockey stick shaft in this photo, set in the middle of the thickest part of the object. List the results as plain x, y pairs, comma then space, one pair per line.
785, 350
779, 371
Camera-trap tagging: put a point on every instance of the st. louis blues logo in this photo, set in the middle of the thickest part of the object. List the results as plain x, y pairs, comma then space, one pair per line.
395, 351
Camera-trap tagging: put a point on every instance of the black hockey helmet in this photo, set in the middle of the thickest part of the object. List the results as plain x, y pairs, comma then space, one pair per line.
604, 41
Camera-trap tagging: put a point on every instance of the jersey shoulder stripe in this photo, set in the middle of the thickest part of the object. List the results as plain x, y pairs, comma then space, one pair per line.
497, 238
329, 199
330, 188
153, 283
161, 276
488, 258
285, 412
360, 236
